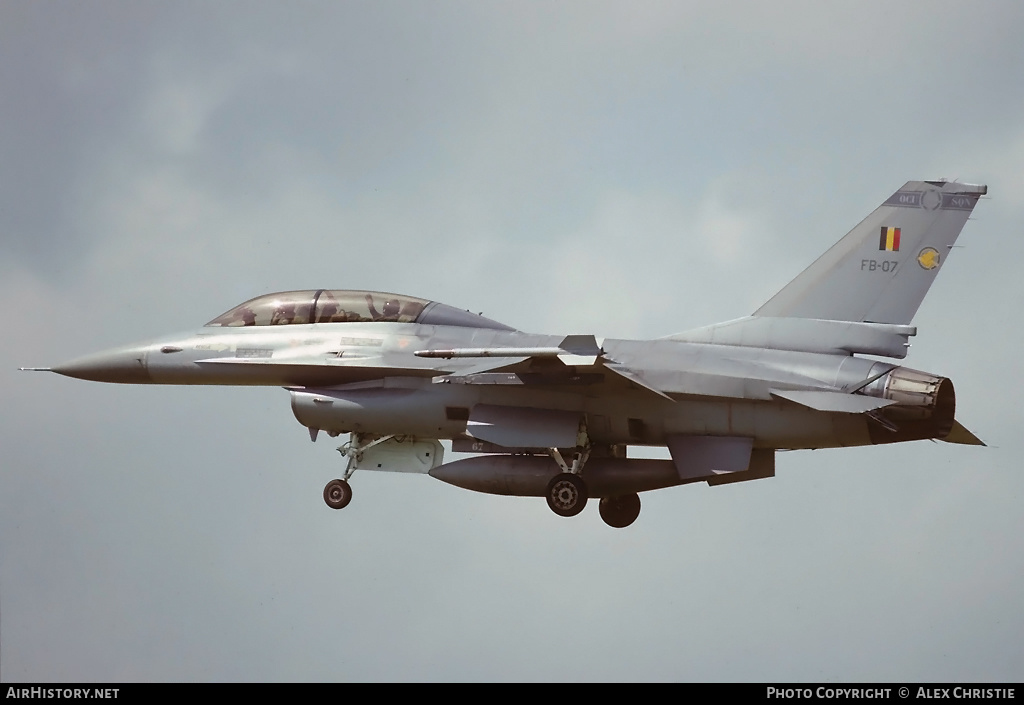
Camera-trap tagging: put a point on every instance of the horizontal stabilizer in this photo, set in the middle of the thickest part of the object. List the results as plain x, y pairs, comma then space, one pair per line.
839, 402
959, 434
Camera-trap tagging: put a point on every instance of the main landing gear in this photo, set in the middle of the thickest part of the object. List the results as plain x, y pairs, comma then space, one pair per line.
338, 493
619, 512
567, 494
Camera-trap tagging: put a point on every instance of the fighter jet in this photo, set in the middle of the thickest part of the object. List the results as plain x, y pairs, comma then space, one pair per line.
554, 416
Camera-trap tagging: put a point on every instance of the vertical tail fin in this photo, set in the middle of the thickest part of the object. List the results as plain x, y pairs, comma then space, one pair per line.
882, 269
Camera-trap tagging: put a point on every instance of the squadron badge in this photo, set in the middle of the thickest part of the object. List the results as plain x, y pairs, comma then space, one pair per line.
928, 258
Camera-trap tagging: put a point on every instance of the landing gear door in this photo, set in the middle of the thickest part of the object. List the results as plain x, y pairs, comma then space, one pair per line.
408, 455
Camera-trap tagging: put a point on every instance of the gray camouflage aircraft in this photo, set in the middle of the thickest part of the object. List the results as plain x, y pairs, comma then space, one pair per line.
552, 416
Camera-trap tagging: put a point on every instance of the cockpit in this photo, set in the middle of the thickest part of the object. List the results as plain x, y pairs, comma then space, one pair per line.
346, 306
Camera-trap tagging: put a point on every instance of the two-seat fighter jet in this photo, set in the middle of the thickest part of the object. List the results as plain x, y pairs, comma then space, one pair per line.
553, 416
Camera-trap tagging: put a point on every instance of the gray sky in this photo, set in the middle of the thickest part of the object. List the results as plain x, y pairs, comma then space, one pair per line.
623, 169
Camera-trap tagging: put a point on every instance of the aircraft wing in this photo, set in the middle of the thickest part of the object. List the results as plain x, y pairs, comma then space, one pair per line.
580, 361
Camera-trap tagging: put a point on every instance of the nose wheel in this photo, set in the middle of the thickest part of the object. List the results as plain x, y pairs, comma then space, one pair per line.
337, 494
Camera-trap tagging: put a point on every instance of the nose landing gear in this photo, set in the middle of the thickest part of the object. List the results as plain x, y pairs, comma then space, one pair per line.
338, 493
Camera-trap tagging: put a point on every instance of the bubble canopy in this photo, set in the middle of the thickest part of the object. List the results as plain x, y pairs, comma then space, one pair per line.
347, 306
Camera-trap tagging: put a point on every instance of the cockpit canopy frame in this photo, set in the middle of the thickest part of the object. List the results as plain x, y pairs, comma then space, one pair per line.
346, 306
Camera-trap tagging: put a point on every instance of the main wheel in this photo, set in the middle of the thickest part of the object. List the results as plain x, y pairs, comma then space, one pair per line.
337, 494
620, 512
567, 494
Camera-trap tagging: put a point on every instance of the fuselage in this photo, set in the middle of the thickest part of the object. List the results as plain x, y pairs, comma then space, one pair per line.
365, 377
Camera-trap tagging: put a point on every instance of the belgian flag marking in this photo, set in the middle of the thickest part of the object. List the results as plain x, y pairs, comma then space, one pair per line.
889, 240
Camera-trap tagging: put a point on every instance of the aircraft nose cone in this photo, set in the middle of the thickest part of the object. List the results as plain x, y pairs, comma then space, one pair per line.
125, 365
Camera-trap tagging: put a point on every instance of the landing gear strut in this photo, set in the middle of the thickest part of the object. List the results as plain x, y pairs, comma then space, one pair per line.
567, 492
338, 493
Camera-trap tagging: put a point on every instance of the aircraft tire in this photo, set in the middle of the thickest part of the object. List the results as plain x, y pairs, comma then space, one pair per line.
619, 512
337, 494
567, 494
